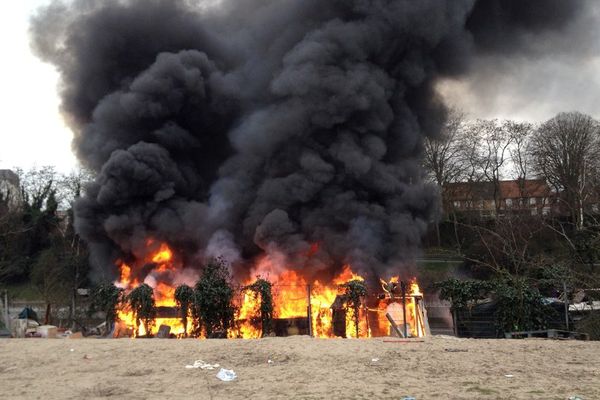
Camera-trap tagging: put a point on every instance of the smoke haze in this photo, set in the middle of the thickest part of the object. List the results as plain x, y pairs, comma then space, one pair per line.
285, 129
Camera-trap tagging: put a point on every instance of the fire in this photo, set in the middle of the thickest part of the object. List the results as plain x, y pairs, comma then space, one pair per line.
164, 293
324, 304
291, 300
409, 304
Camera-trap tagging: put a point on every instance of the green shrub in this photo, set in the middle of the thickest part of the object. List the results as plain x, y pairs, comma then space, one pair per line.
141, 300
106, 297
213, 299
263, 288
354, 291
184, 296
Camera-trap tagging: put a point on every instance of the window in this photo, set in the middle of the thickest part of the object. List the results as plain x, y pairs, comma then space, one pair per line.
532, 201
457, 204
508, 202
546, 210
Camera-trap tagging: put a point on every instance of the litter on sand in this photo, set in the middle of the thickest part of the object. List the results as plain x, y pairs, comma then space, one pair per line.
408, 398
456, 350
202, 365
226, 375
509, 376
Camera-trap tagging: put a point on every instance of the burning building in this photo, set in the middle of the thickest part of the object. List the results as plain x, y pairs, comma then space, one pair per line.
282, 136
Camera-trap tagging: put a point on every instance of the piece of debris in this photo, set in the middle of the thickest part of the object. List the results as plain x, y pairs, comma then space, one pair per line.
456, 350
47, 331
202, 365
163, 332
408, 398
509, 376
270, 361
575, 398
226, 375
22, 327
374, 359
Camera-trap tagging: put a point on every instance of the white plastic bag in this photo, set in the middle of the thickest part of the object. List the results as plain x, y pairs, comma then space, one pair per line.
226, 375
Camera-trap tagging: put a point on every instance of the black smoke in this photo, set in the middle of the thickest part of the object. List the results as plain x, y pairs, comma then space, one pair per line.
265, 127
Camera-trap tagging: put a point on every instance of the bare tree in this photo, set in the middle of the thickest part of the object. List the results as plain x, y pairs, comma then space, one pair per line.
444, 158
566, 151
492, 144
520, 134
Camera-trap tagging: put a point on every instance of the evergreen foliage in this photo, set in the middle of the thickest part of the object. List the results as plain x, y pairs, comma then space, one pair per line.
107, 297
213, 299
263, 288
354, 291
184, 296
141, 300
519, 306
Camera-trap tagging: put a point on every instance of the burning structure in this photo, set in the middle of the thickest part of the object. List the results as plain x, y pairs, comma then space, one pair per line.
322, 310
282, 136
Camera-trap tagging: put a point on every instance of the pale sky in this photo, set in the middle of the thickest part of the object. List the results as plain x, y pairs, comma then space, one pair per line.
33, 132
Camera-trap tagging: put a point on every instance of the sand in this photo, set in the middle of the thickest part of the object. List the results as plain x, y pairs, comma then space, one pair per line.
301, 368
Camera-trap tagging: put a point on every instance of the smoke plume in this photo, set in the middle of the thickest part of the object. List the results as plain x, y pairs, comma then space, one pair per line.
289, 129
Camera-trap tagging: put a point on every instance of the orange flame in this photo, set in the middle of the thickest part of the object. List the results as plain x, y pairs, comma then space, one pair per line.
164, 292
293, 297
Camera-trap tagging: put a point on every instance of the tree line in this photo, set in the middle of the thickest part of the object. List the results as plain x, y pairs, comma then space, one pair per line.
564, 151
521, 256
38, 243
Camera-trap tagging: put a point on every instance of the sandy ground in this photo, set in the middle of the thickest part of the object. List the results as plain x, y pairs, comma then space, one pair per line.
301, 368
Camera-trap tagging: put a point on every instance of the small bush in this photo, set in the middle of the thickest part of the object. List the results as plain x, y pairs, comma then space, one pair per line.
213, 299
107, 297
354, 291
184, 295
263, 288
590, 325
141, 300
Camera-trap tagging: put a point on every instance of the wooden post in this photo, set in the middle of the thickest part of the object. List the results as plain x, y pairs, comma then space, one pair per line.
394, 326
366, 311
455, 322
403, 288
309, 311
425, 318
6, 317
566, 301
418, 317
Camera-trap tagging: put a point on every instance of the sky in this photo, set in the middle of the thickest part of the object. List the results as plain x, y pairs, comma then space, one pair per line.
33, 132
554, 73
530, 88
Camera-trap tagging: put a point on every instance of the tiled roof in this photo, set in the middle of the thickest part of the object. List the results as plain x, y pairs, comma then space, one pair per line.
513, 189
